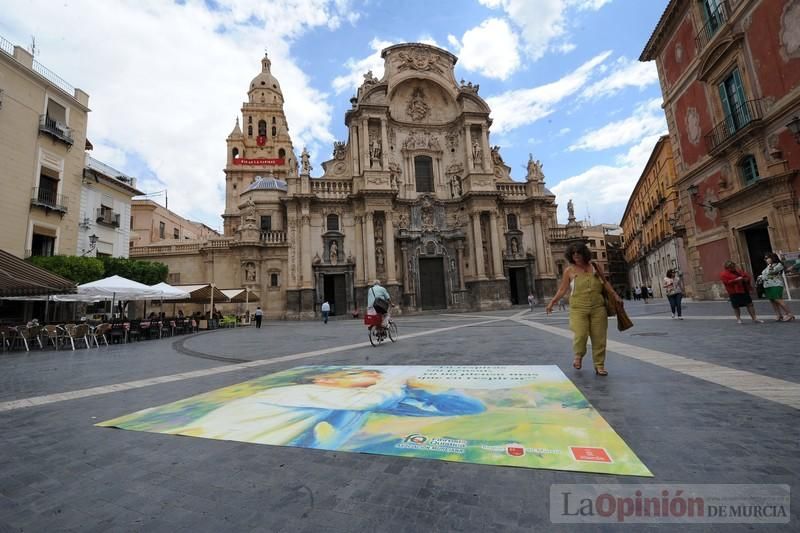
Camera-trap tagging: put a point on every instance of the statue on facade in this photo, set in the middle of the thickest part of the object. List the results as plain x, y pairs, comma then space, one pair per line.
338, 150
375, 151
250, 272
379, 258
514, 247
571, 209
305, 160
369, 78
477, 154
534, 169
417, 109
333, 253
497, 159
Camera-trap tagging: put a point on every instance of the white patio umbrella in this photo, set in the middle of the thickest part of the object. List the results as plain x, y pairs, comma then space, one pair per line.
117, 288
170, 293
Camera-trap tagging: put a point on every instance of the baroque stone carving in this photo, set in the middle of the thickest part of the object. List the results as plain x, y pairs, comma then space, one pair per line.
338, 150
451, 139
497, 159
468, 87
477, 153
375, 150
421, 140
305, 159
534, 169
419, 60
417, 109
333, 253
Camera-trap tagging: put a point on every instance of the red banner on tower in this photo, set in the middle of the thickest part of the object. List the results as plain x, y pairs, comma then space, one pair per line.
260, 161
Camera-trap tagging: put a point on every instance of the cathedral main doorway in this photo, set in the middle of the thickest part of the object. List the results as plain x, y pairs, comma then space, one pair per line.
432, 283
335, 292
518, 281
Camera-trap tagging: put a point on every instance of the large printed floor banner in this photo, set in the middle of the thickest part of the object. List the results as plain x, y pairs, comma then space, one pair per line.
525, 416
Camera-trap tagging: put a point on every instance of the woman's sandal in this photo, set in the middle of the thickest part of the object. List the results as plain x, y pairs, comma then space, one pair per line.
577, 364
787, 318
600, 371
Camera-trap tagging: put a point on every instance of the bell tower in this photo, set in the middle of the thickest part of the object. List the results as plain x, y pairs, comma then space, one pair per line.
261, 145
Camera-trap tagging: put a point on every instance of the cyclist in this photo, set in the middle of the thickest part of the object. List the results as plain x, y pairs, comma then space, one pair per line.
384, 301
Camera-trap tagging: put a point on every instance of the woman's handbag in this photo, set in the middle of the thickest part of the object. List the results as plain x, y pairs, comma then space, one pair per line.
623, 320
608, 299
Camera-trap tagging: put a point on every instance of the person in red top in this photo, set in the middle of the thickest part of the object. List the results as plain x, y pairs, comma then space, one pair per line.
737, 283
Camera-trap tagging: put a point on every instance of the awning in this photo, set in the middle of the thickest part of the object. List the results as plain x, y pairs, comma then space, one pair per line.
118, 288
168, 292
19, 278
202, 293
240, 295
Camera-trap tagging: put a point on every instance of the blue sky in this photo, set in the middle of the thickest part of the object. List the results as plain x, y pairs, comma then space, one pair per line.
166, 81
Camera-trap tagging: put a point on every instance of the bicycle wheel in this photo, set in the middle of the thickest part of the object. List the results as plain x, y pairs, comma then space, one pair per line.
373, 336
392, 331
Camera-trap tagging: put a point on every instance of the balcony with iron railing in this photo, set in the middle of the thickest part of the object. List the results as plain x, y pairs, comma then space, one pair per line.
48, 199
56, 130
735, 124
107, 217
714, 22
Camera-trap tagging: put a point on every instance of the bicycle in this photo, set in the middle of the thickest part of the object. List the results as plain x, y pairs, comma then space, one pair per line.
377, 332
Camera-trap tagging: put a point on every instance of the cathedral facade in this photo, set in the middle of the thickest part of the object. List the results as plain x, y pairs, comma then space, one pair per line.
416, 198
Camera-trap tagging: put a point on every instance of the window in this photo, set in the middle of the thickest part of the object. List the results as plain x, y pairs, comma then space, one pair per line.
713, 14
174, 277
601, 243
262, 128
423, 171
162, 229
273, 120
734, 103
266, 223
175, 233
749, 170
48, 186
273, 280
281, 153
249, 120
43, 245
57, 113
249, 131
333, 223
274, 131
235, 153
594, 255
512, 222
592, 243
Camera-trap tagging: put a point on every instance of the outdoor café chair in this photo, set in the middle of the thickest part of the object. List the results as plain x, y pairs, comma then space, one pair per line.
134, 331
79, 332
26, 336
100, 333
117, 332
9, 335
53, 334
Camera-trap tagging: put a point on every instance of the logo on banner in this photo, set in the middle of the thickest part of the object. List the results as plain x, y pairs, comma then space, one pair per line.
515, 450
593, 455
261, 140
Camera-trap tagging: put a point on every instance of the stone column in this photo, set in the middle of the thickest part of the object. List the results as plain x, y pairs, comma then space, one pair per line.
354, 150
359, 241
389, 244
364, 151
306, 232
404, 252
480, 272
497, 257
538, 243
468, 142
370, 250
487, 153
384, 146
460, 263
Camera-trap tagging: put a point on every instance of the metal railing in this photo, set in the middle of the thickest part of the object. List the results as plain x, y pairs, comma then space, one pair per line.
714, 22
107, 217
6, 46
55, 129
50, 75
742, 116
47, 198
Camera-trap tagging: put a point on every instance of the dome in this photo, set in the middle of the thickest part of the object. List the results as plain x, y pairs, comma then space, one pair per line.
267, 184
265, 79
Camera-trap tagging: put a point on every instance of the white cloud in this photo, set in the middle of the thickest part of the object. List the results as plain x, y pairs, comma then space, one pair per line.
166, 80
647, 119
603, 190
520, 107
543, 21
358, 67
563, 131
624, 73
490, 49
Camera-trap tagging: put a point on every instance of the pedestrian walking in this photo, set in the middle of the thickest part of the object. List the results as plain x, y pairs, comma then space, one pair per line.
737, 283
772, 280
531, 301
259, 314
326, 309
637, 293
588, 317
562, 305
673, 288
644, 292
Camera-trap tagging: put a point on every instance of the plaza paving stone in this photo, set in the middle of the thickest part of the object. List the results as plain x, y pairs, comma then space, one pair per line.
59, 472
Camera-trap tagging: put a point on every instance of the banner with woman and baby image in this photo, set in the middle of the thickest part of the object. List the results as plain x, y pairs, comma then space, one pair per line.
523, 416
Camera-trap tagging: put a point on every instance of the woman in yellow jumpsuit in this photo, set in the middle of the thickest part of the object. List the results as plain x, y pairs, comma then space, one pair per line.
587, 310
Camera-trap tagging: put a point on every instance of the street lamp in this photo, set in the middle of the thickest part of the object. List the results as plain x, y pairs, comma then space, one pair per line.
92, 244
794, 128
